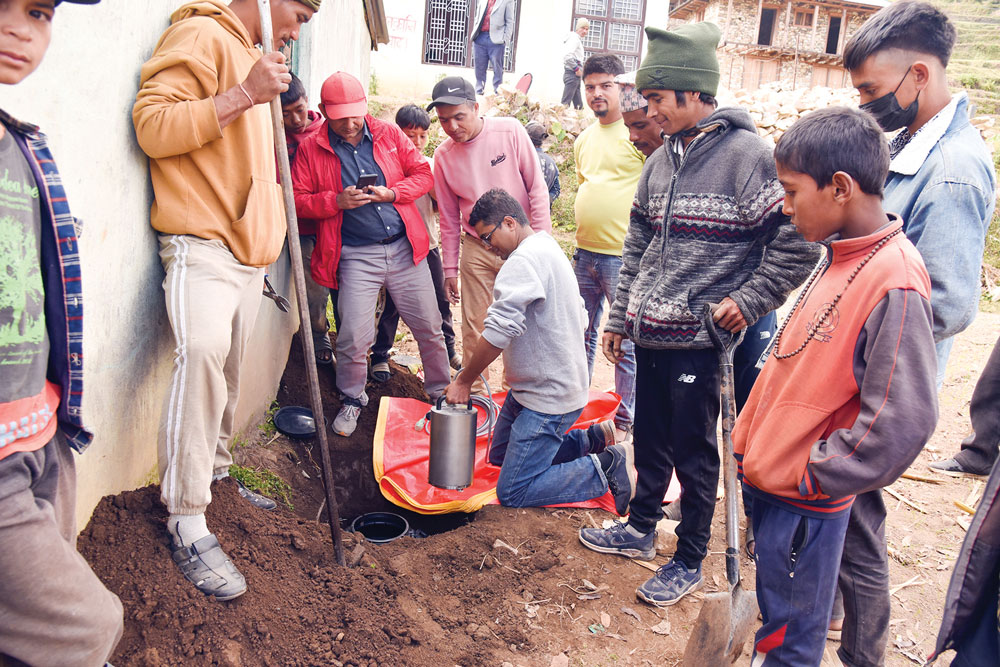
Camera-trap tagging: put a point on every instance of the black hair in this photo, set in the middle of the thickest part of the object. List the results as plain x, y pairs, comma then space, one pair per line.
907, 25
704, 98
411, 115
295, 91
836, 139
493, 206
603, 63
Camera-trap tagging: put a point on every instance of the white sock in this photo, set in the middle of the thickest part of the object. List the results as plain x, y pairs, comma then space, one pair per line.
633, 532
220, 475
186, 529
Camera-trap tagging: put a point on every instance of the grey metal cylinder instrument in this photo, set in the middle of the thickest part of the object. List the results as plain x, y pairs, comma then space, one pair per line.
453, 445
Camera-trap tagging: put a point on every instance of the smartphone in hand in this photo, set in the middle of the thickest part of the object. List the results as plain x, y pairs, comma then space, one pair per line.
366, 181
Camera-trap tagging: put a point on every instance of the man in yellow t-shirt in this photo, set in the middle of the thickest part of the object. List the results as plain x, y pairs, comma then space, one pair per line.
607, 168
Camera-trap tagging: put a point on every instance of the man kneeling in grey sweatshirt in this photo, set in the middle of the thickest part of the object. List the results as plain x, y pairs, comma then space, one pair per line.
537, 321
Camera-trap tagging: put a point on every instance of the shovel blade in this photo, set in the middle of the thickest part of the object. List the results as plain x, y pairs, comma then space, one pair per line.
722, 628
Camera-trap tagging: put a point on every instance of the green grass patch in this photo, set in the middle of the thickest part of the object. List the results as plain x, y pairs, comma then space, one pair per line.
267, 426
264, 482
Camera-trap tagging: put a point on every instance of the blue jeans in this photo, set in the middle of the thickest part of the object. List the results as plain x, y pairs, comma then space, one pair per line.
597, 276
798, 558
542, 464
485, 52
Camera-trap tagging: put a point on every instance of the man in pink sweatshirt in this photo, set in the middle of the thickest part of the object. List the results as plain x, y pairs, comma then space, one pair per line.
480, 154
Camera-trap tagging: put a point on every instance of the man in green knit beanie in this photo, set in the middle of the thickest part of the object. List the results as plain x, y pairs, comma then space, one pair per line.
706, 227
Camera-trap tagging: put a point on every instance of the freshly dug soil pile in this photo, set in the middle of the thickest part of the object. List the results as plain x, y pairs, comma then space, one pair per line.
454, 598
298, 603
354, 478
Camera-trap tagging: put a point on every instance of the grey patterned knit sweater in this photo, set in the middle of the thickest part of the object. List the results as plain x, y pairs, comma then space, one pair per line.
705, 226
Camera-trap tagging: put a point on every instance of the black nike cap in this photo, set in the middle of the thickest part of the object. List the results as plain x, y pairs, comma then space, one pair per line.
452, 90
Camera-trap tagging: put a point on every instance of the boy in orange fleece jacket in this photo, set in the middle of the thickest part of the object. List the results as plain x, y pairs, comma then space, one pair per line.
847, 396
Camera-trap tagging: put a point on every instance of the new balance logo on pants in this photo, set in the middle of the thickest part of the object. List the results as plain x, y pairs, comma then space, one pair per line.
687, 379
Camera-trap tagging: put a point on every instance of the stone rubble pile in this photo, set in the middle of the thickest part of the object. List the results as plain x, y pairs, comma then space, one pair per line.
774, 107
508, 101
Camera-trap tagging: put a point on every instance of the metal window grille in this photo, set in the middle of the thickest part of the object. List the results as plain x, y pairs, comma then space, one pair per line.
624, 37
615, 27
447, 29
595, 37
630, 10
592, 7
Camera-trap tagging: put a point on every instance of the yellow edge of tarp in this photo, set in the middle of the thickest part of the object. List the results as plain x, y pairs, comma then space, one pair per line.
470, 504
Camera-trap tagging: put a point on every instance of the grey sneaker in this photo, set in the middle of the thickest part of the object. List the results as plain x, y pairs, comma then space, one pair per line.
617, 540
670, 583
955, 469
347, 418
206, 565
254, 498
621, 475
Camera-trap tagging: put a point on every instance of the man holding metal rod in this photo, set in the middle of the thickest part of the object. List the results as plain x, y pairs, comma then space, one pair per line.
201, 117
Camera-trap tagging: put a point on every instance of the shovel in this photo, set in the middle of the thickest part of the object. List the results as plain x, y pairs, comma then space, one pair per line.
726, 619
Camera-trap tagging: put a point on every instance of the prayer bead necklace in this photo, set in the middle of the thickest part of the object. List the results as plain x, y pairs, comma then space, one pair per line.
814, 326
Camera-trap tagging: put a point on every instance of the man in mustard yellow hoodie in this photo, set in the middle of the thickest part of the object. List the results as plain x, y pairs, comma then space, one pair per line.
201, 117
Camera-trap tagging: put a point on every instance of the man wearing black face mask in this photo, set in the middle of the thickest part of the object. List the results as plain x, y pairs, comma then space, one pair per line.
941, 183
941, 179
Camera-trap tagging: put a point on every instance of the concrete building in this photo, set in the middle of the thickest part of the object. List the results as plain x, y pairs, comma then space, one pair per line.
429, 40
768, 40
82, 97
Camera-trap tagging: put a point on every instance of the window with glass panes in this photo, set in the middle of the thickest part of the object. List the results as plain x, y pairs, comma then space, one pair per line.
447, 28
615, 27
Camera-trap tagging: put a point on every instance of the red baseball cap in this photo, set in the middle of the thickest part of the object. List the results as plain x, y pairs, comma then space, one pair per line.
343, 96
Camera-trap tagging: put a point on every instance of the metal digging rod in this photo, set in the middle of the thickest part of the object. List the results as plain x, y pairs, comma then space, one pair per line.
298, 276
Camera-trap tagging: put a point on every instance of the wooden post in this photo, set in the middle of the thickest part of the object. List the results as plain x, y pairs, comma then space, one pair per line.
725, 30
298, 274
843, 33
788, 24
812, 45
760, 11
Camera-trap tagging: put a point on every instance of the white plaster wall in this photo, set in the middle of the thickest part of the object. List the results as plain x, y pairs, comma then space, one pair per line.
335, 40
82, 97
543, 26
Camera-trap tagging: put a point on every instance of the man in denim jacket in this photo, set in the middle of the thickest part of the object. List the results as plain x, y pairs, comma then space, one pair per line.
941, 179
941, 183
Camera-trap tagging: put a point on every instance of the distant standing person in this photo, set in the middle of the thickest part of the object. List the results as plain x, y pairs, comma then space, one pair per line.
493, 31
479, 154
573, 63
538, 134
608, 167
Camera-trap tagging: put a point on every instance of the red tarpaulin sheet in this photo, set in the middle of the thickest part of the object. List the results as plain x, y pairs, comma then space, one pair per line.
401, 450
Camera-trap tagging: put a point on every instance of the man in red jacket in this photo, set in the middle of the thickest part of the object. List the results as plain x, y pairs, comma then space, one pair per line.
360, 177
